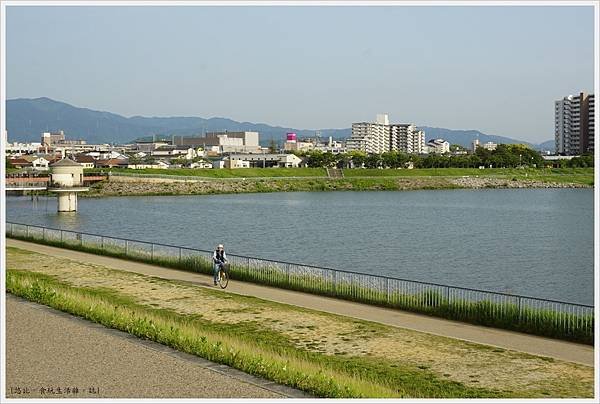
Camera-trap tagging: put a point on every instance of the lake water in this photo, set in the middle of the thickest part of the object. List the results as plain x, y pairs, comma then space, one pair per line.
536, 242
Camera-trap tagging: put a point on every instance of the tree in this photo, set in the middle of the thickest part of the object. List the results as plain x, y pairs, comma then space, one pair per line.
357, 157
373, 160
394, 159
329, 159
315, 159
457, 147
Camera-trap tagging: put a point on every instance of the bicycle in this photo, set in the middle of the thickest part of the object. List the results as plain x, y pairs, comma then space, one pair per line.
223, 275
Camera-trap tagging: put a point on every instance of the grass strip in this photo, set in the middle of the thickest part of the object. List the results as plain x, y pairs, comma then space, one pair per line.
508, 315
245, 346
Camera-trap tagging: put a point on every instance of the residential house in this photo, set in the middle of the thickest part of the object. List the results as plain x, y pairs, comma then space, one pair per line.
110, 163
85, 160
20, 162
40, 164
201, 164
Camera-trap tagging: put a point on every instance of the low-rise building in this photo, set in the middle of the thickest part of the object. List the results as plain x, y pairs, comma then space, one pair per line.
40, 164
201, 164
20, 162
223, 142
186, 152
490, 146
20, 149
110, 163
438, 146
149, 145
487, 146
85, 160
269, 160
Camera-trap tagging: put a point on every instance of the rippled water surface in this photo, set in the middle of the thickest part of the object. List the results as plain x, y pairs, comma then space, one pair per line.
536, 242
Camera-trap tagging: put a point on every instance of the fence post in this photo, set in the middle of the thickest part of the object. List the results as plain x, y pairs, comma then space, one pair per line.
102, 242
126, 247
80, 239
448, 295
287, 274
152, 254
519, 304
387, 290
61, 236
44, 233
248, 266
334, 282
27, 230
180, 254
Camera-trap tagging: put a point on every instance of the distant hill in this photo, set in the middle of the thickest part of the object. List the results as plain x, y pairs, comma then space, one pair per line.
27, 118
466, 137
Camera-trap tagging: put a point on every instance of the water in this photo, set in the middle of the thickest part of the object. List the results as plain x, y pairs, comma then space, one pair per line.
530, 242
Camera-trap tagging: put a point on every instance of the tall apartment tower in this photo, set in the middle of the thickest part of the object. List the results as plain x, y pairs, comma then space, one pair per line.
406, 138
370, 137
381, 136
574, 124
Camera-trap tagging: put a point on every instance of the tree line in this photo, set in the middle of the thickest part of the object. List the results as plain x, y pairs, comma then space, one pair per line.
504, 156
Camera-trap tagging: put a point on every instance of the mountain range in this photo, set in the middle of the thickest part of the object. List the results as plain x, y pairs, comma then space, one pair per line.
27, 118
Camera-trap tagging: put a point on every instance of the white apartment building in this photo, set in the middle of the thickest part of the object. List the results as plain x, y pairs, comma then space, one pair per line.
369, 137
487, 145
438, 146
19, 149
574, 124
381, 137
406, 138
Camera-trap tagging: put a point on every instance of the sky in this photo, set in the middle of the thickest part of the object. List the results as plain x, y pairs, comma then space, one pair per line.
495, 69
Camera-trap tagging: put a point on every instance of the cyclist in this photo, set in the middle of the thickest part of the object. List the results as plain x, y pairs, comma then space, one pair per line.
219, 258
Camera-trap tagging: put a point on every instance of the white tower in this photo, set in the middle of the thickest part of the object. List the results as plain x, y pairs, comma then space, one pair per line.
66, 180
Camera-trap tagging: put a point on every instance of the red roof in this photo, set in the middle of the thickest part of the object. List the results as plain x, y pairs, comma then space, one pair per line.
20, 162
111, 162
85, 159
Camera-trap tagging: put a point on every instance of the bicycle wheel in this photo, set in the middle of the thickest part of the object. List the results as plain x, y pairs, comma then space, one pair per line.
223, 279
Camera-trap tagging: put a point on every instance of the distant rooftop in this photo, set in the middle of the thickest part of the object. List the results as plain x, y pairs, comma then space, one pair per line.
66, 162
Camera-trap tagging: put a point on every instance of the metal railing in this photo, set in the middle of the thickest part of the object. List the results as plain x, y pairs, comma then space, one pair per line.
552, 318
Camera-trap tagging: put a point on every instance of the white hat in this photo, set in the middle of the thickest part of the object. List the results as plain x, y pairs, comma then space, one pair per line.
220, 246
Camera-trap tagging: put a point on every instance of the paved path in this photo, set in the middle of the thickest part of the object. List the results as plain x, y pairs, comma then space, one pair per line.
535, 345
47, 349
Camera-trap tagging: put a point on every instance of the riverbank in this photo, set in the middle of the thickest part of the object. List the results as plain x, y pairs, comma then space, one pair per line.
128, 186
327, 354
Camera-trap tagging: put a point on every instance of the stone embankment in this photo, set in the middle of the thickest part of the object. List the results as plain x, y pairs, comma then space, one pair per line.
490, 182
160, 186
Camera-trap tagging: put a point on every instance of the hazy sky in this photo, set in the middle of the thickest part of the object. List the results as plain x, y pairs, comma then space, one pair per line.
495, 69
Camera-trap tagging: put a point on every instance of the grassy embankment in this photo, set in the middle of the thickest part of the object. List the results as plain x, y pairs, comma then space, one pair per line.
431, 301
324, 354
562, 175
229, 173
304, 179
570, 175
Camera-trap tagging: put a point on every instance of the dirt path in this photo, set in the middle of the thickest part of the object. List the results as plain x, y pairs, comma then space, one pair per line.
557, 349
46, 349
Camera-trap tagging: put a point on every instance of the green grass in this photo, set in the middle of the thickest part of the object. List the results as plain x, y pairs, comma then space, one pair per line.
579, 175
246, 345
570, 327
